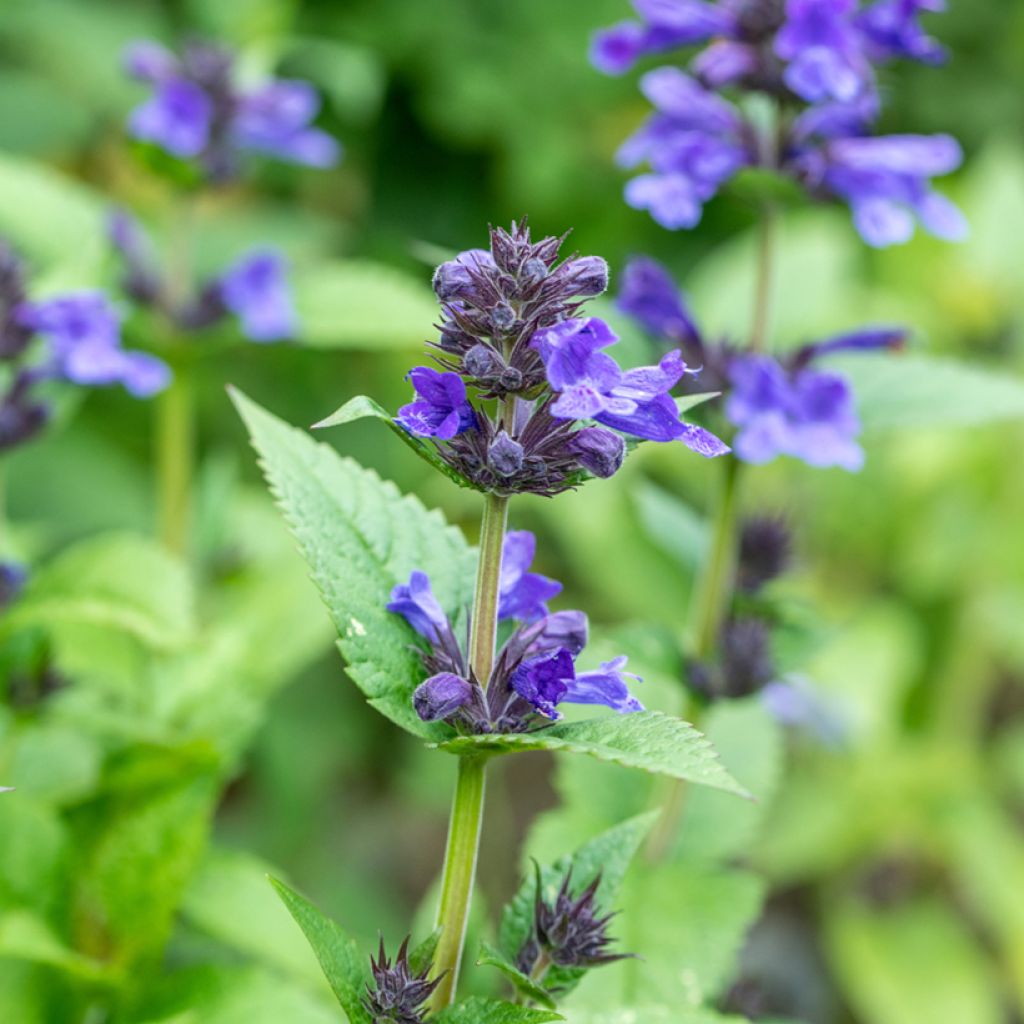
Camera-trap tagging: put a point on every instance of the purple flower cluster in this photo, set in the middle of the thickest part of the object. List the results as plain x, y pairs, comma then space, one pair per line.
254, 289
535, 670
199, 111
512, 330
780, 406
817, 60
74, 337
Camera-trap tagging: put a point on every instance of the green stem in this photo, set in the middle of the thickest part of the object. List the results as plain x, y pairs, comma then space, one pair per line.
764, 280
175, 460
468, 804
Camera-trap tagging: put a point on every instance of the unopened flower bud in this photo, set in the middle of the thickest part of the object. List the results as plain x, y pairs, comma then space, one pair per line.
599, 451
566, 629
505, 456
441, 696
482, 361
503, 316
455, 278
589, 276
534, 270
511, 379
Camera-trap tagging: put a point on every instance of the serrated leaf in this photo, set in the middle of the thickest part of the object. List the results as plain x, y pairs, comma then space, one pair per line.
895, 391
422, 956
607, 855
649, 740
362, 305
657, 1014
491, 956
490, 1011
338, 954
361, 407
120, 582
361, 536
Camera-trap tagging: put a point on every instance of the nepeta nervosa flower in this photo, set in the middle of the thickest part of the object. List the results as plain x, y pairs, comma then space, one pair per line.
512, 330
535, 670
397, 994
201, 111
816, 60
783, 405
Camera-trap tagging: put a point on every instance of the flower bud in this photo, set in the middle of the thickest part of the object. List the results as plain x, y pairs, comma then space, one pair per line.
455, 278
599, 451
534, 271
482, 361
505, 456
503, 316
566, 629
441, 696
589, 276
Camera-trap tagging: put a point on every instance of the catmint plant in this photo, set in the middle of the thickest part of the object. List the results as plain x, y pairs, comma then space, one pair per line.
788, 89
46, 343
201, 123
524, 398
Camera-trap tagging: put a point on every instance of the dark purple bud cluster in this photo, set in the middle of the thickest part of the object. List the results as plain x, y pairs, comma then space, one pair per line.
783, 405
745, 665
254, 289
567, 932
397, 994
199, 111
765, 552
816, 59
528, 399
534, 671
75, 338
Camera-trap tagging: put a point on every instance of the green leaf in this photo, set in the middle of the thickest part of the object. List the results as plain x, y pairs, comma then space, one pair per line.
672, 524
230, 900
360, 537
649, 740
653, 1015
607, 855
119, 582
362, 407
895, 391
338, 954
490, 1011
362, 305
422, 956
24, 936
685, 403
491, 956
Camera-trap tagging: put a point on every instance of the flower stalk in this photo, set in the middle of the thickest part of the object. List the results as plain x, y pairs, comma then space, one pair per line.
468, 803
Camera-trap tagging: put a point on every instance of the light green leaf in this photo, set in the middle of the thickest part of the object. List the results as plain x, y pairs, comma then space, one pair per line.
360, 537
672, 524
230, 900
54, 762
895, 391
120, 582
362, 305
24, 936
653, 1015
362, 407
491, 956
917, 962
490, 1011
685, 403
648, 740
339, 957
422, 956
607, 855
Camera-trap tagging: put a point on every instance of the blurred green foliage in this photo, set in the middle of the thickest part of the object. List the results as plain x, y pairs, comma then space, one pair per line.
175, 736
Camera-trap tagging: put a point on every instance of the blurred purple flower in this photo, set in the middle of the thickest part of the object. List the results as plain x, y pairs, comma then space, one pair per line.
650, 296
198, 110
442, 409
892, 29
84, 335
694, 143
523, 595
256, 290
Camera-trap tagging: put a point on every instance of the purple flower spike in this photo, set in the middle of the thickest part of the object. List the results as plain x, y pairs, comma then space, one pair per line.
275, 119
416, 603
523, 595
256, 290
177, 118
607, 686
150, 62
892, 30
441, 696
651, 297
543, 681
443, 411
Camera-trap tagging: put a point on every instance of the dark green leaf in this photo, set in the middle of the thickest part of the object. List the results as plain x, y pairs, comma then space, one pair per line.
490, 1011
339, 957
360, 537
362, 407
648, 740
526, 986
